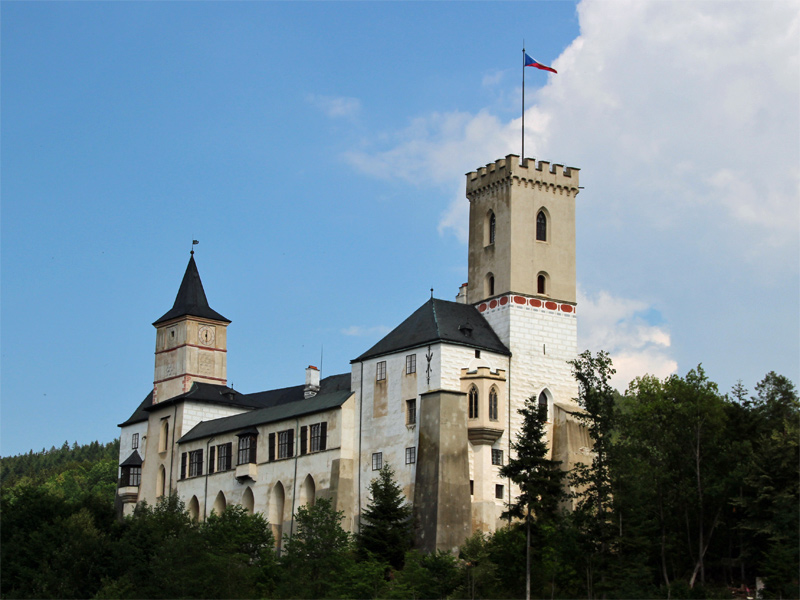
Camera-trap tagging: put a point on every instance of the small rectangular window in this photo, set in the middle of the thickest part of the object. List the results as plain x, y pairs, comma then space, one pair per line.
498, 492
377, 461
195, 463
411, 455
316, 433
224, 453
247, 449
411, 364
135, 441
497, 457
135, 476
411, 412
286, 443
380, 371
471, 487
212, 459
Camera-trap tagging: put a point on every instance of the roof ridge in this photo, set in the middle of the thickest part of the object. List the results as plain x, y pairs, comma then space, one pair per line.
435, 317
191, 298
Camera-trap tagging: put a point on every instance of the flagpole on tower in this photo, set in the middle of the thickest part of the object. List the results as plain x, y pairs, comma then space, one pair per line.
522, 156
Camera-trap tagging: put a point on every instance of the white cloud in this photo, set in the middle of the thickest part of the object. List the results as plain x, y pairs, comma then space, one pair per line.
360, 331
618, 326
684, 118
335, 106
673, 106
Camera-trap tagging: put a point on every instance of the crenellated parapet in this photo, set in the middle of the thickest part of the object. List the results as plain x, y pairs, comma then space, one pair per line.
529, 173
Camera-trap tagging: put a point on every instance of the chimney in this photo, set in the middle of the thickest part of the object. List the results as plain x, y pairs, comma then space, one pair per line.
312, 382
461, 298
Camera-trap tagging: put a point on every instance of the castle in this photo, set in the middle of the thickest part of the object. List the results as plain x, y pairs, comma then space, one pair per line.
437, 397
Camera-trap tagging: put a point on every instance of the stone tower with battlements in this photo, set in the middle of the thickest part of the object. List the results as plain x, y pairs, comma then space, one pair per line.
522, 276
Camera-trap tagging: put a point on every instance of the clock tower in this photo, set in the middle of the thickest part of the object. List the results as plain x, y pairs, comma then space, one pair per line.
190, 341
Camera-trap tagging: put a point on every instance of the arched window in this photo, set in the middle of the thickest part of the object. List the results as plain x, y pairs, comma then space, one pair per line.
248, 500
493, 404
308, 491
541, 227
220, 504
163, 438
473, 402
492, 227
543, 405
276, 510
541, 284
161, 482
194, 508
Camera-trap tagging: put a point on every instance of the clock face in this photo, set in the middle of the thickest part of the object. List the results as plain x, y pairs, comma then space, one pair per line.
206, 335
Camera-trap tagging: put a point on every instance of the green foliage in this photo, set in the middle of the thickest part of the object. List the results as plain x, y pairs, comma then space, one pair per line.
318, 548
539, 479
593, 481
35, 468
684, 483
386, 521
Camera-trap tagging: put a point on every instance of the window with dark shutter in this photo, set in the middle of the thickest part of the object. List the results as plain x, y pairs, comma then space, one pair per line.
291, 442
195, 463
211, 458
271, 447
228, 455
304, 439
183, 465
323, 435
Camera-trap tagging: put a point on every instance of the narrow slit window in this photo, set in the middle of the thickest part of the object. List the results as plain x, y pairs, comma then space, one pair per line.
541, 227
473, 402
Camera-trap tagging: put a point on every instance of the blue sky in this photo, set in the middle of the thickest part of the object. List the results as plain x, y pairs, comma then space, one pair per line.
317, 151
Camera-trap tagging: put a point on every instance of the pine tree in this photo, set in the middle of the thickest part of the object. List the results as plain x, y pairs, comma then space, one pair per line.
539, 479
386, 521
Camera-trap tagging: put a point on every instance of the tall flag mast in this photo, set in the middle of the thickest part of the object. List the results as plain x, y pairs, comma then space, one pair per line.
527, 61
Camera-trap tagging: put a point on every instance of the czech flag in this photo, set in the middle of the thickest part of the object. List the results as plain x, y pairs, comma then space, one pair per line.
529, 62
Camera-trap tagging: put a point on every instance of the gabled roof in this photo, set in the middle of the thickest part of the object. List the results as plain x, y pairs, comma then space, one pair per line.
281, 412
211, 393
220, 394
134, 460
440, 321
140, 414
191, 298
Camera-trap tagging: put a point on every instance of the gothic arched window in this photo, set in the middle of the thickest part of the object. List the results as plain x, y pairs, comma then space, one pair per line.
543, 405
473, 402
541, 280
541, 227
493, 404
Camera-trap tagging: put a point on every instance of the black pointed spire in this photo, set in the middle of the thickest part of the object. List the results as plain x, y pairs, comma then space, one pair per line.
191, 298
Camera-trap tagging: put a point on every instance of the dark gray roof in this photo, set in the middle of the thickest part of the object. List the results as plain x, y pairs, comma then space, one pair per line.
220, 394
191, 298
440, 321
134, 460
318, 403
140, 414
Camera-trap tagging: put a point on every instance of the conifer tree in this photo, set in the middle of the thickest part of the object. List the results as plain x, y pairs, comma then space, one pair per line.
539, 479
386, 521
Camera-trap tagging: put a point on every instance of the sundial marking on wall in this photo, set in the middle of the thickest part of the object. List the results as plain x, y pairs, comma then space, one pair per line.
429, 356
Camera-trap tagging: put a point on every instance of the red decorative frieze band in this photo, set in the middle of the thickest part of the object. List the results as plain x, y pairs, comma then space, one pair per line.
523, 301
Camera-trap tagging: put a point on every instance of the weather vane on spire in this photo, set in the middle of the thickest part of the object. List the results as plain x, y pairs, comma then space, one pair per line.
194, 243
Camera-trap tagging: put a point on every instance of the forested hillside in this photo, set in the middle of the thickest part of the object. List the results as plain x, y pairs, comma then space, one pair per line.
689, 493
